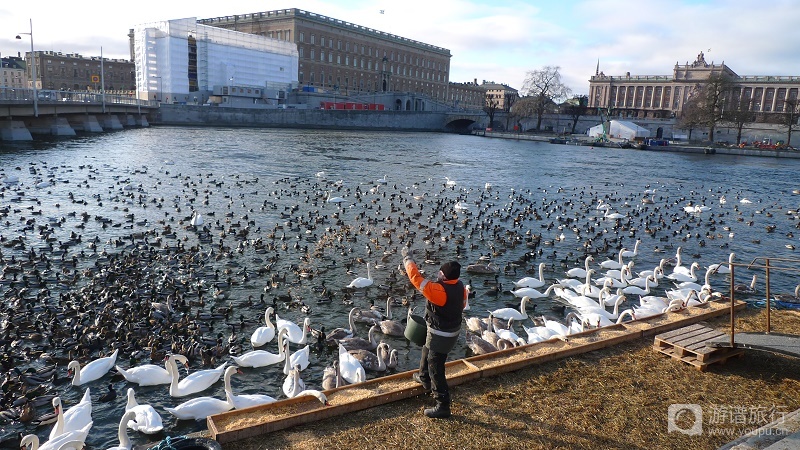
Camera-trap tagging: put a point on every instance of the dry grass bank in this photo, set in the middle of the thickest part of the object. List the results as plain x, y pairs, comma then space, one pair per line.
611, 398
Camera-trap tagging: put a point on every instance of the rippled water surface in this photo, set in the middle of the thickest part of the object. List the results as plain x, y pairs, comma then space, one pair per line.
267, 181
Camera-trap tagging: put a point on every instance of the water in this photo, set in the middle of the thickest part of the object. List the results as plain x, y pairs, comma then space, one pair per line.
232, 173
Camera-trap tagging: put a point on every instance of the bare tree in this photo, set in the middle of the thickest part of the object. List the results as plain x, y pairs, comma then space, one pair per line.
509, 100
738, 115
491, 109
692, 116
790, 116
524, 108
709, 100
545, 87
576, 108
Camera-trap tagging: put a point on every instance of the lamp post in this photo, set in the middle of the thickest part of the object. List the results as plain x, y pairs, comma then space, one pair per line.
33, 72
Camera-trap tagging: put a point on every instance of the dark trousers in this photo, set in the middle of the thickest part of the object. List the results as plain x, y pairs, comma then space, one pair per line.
431, 368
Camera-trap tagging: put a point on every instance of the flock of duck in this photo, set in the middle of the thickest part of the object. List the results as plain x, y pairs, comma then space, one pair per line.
114, 277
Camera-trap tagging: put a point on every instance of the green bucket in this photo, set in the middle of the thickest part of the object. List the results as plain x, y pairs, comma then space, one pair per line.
416, 329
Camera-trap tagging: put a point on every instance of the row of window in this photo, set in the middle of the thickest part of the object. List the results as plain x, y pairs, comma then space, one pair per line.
367, 64
367, 84
366, 50
760, 99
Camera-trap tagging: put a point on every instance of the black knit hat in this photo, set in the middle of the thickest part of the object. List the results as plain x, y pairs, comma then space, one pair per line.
451, 270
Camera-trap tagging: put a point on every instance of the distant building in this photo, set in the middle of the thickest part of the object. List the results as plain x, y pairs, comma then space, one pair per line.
664, 96
12, 73
469, 95
59, 71
338, 56
499, 95
184, 61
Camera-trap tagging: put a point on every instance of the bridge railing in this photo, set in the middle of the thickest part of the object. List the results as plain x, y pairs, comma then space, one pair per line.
53, 96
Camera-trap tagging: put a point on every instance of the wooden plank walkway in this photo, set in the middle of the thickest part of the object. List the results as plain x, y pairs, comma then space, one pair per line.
785, 344
688, 344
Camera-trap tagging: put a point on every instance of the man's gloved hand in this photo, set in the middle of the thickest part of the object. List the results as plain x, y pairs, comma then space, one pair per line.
407, 254
404, 251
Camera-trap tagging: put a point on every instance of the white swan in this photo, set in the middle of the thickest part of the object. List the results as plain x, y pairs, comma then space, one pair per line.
530, 282
635, 252
263, 334
349, 367
601, 310
197, 219
74, 419
243, 400
680, 276
148, 420
293, 384
332, 199
636, 290
200, 408
122, 431
533, 293
611, 264
723, 268
193, 383
361, 282
146, 375
91, 371
694, 284
77, 437
577, 272
511, 313
294, 333
261, 358
613, 216
449, 182
297, 359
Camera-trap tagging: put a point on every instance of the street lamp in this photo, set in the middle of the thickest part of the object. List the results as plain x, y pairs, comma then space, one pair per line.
33, 72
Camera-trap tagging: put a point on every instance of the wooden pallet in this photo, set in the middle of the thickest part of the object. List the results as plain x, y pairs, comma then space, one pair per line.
688, 344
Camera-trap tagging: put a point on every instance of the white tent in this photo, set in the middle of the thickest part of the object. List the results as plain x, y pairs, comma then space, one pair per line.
620, 129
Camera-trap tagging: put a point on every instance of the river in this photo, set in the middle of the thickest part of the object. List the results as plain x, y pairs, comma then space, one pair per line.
272, 183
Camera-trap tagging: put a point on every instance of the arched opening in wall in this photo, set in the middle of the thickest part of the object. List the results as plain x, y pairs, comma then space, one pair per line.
659, 133
384, 85
408, 105
398, 105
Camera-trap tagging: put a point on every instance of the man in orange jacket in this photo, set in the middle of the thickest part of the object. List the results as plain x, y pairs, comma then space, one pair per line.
446, 297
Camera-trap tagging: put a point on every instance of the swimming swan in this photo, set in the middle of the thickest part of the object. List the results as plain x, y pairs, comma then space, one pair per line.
91, 371
147, 419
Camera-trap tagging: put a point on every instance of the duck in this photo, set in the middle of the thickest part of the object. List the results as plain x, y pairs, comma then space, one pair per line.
75, 418
122, 431
243, 400
145, 375
110, 395
264, 334
92, 371
78, 437
361, 282
194, 382
200, 408
262, 358
349, 367
294, 333
148, 420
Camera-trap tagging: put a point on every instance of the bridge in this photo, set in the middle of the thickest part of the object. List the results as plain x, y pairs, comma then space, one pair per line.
462, 121
62, 113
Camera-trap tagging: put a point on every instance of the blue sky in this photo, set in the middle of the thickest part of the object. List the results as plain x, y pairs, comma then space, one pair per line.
493, 41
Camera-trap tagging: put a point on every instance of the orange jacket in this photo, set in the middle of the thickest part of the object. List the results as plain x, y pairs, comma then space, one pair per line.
433, 291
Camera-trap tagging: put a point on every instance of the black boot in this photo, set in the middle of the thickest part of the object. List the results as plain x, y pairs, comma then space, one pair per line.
440, 411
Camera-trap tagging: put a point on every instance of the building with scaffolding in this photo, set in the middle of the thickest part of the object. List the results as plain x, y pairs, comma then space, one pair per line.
182, 61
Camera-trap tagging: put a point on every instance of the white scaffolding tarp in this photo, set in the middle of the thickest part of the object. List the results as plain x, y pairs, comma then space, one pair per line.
621, 129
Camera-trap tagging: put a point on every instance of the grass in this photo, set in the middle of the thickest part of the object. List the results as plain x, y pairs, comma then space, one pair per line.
616, 397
